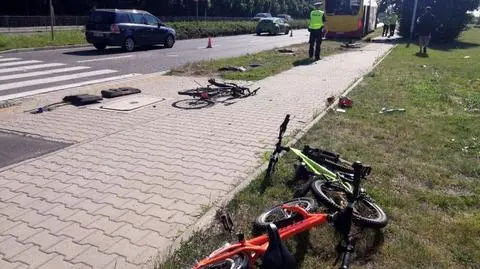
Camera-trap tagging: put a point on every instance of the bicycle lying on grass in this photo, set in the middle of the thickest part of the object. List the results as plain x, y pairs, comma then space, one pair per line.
270, 249
329, 177
206, 96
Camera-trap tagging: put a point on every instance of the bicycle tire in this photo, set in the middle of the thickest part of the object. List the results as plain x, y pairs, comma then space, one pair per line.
379, 221
199, 91
261, 222
241, 262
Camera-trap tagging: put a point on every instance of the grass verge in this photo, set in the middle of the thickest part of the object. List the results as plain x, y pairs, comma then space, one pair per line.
35, 40
426, 166
272, 62
184, 29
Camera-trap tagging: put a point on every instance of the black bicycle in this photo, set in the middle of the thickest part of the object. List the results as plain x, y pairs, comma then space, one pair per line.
219, 90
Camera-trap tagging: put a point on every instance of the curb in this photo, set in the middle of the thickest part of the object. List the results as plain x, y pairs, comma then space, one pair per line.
44, 48
208, 218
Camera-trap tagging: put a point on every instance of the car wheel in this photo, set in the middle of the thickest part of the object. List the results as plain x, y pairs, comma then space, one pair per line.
277, 30
169, 41
259, 33
99, 46
129, 44
287, 31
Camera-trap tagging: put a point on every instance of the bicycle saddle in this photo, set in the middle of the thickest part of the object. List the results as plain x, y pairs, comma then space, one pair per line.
277, 255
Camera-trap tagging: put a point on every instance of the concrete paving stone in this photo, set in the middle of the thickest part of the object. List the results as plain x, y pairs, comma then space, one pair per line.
94, 258
41, 205
155, 240
88, 205
12, 210
138, 206
44, 239
100, 240
6, 194
47, 194
156, 224
32, 217
183, 219
132, 217
71, 201
15, 185
31, 190
53, 224
133, 254
33, 256
61, 211
75, 231
105, 224
121, 263
10, 247
4, 264
7, 224
22, 231
94, 194
109, 211
68, 248
60, 263
128, 231
83, 217
160, 212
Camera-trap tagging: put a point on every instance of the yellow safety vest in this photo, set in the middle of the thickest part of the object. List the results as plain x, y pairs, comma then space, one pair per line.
316, 19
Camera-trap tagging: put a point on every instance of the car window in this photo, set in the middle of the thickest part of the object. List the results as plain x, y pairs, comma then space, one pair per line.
122, 18
151, 20
138, 18
280, 21
101, 17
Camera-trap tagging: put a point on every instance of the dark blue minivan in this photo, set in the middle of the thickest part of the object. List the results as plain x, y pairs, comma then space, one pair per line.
127, 28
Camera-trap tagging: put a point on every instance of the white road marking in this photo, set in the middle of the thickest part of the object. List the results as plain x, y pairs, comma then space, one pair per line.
63, 87
29, 67
46, 72
172, 55
105, 59
33, 82
19, 63
10, 59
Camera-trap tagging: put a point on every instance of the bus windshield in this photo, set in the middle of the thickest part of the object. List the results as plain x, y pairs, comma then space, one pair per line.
343, 7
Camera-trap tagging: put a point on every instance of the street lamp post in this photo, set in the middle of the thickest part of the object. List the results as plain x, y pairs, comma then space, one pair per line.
51, 18
414, 15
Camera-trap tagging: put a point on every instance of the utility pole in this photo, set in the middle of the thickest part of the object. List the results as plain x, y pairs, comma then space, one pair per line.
51, 19
197, 8
414, 15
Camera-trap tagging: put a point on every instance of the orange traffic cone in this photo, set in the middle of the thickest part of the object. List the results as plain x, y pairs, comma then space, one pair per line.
209, 46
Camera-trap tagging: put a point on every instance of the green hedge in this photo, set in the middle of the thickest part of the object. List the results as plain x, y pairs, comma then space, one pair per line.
186, 30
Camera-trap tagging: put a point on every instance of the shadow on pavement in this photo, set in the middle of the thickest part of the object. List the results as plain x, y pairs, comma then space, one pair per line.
109, 51
306, 61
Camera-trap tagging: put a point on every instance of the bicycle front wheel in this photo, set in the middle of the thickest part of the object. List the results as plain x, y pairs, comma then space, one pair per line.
282, 217
366, 212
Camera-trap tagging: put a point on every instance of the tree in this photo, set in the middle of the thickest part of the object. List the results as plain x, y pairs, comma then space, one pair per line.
451, 13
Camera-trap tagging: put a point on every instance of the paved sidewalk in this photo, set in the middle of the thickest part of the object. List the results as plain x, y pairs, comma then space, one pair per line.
131, 183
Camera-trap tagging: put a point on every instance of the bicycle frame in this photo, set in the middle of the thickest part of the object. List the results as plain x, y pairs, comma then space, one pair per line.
256, 247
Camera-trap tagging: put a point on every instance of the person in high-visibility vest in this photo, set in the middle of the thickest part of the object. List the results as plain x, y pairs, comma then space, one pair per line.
316, 27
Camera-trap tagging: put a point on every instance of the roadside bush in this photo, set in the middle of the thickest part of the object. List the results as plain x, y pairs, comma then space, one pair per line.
186, 30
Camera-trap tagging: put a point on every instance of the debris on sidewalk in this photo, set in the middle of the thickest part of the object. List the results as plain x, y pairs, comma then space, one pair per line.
345, 102
340, 110
330, 100
466, 57
112, 93
286, 51
385, 110
8, 103
350, 45
233, 68
225, 219
82, 99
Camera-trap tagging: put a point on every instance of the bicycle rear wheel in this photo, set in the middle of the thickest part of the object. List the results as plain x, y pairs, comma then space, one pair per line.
281, 217
366, 212
203, 92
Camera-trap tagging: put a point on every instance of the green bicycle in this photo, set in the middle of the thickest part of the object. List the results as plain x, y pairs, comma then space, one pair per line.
330, 179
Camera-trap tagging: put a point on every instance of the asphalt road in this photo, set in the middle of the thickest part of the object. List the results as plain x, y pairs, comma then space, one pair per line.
24, 72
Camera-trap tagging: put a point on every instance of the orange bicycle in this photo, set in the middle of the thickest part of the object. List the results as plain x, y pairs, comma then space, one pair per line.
295, 218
